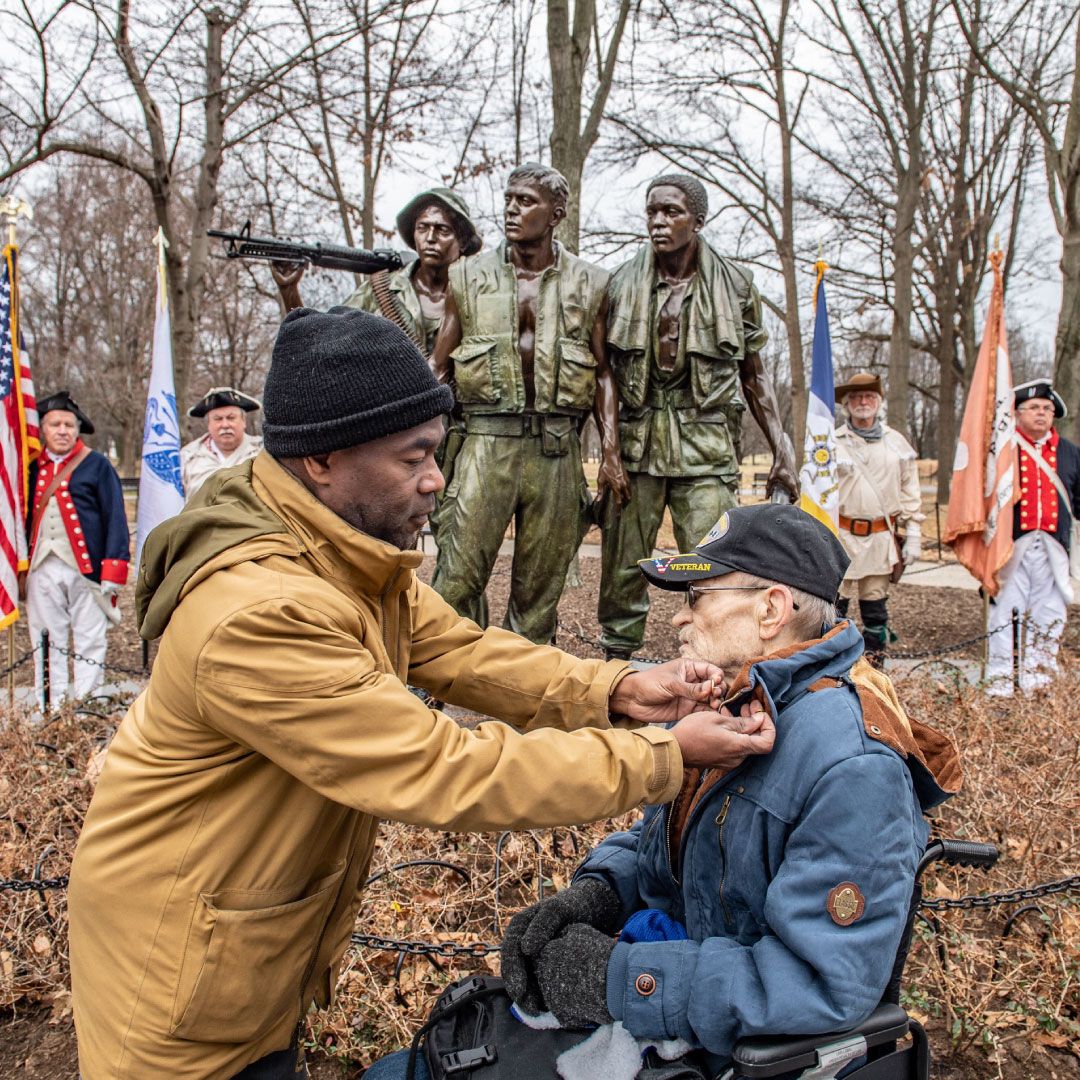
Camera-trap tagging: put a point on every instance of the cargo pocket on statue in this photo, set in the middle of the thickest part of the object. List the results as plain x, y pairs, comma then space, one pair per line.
475, 377
557, 435
705, 439
714, 379
245, 964
577, 376
633, 431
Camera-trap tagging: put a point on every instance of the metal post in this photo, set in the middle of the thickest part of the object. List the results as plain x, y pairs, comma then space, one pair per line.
145, 655
986, 635
1016, 647
937, 519
45, 695
11, 667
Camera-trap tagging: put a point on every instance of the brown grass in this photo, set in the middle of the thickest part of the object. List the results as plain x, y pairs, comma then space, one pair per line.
1022, 792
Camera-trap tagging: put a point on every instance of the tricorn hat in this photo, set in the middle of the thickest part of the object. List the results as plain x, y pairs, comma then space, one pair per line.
1040, 388
450, 201
223, 397
62, 399
863, 381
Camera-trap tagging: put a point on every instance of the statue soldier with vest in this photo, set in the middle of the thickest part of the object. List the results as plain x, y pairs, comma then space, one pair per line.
437, 226
684, 338
522, 342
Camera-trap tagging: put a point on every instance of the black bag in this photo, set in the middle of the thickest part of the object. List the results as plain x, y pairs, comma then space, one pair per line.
471, 1035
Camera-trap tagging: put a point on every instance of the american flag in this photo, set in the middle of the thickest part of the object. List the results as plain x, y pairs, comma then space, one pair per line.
20, 439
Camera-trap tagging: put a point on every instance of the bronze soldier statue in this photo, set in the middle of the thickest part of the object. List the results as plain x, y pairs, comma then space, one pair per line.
684, 337
437, 226
522, 340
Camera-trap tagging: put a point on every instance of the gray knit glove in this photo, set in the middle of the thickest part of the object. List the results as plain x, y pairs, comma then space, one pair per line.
589, 901
572, 975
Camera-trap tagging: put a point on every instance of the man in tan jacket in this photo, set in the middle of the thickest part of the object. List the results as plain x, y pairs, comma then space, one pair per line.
879, 493
216, 881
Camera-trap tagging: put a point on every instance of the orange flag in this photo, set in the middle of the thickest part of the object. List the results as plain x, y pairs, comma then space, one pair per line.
979, 521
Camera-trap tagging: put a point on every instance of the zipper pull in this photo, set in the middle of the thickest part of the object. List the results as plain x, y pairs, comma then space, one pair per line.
722, 816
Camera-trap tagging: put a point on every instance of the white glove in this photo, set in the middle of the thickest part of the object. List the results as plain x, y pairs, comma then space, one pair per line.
110, 589
912, 544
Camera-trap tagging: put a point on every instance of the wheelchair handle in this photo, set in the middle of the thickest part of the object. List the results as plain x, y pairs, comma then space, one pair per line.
959, 853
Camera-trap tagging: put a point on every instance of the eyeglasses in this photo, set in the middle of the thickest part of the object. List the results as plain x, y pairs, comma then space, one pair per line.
694, 591
1035, 408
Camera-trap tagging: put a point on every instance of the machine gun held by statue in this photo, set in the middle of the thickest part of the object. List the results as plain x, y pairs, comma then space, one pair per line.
243, 245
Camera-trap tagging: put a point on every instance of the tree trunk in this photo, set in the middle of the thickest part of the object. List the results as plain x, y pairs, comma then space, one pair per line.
795, 350
787, 238
898, 391
186, 314
1067, 343
571, 138
568, 54
946, 425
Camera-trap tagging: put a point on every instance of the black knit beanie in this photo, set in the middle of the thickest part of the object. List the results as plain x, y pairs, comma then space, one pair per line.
343, 377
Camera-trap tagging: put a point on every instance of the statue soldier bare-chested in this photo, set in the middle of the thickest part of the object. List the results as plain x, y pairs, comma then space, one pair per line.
522, 340
684, 338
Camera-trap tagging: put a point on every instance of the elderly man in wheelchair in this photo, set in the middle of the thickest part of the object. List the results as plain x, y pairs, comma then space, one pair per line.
771, 898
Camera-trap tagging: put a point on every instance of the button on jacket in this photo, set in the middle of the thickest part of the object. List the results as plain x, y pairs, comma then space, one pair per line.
216, 880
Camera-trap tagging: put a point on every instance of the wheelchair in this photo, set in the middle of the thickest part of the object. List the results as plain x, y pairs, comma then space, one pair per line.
878, 1038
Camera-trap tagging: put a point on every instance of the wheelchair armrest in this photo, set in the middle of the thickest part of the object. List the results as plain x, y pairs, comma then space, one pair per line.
764, 1055
958, 853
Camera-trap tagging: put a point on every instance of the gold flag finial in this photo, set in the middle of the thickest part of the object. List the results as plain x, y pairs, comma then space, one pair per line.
13, 208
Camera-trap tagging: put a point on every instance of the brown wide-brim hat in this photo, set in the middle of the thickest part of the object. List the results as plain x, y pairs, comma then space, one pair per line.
863, 381
451, 202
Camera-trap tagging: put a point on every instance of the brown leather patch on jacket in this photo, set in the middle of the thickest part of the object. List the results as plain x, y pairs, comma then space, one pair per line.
845, 903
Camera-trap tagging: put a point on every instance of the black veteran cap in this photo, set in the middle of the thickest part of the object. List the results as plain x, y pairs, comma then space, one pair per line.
223, 397
1040, 388
773, 541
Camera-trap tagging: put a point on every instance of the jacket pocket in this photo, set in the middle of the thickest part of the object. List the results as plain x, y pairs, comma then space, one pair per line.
475, 376
248, 962
577, 375
705, 438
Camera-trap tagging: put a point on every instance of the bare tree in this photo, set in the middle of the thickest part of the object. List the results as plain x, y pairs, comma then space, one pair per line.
571, 42
978, 153
155, 59
884, 55
733, 83
1033, 53
88, 276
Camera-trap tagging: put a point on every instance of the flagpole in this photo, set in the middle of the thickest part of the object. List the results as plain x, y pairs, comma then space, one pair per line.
13, 208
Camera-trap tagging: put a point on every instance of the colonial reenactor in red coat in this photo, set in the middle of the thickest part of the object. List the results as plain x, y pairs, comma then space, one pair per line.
78, 549
1035, 580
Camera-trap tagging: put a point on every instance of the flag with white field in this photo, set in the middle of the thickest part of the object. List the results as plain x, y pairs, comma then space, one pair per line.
820, 495
161, 492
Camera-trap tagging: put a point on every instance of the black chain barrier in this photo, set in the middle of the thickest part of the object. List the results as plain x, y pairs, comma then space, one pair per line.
21, 885
450, 950
1014, 896
29, 654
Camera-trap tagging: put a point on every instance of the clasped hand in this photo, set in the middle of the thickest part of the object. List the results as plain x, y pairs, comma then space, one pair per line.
692, 693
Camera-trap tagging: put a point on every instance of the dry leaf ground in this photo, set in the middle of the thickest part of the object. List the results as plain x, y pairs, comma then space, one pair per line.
997, 1006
